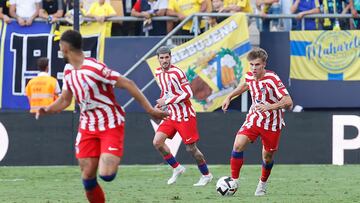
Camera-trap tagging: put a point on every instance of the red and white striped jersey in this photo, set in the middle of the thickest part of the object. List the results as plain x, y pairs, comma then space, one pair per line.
267, 90
176, 90
93, 88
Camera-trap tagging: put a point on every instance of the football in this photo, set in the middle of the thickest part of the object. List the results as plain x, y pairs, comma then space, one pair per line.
226, 186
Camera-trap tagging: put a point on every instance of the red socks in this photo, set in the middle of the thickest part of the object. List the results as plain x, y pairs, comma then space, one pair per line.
95, 195
236, 163
266, 170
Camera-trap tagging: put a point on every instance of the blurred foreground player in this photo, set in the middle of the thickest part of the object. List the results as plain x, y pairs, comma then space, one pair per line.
99, 143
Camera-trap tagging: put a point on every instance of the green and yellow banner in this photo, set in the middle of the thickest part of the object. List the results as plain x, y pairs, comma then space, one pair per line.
214, 62
325, 55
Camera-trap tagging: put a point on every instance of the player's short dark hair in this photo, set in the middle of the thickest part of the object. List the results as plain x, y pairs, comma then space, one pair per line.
163, 50
256, 53
43, 63
73, 38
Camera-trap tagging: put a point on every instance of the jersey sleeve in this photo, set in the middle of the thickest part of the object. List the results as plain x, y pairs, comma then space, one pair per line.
109, 76
279, 87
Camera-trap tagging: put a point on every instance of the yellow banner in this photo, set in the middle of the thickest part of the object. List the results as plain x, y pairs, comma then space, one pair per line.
214, 62
325, 55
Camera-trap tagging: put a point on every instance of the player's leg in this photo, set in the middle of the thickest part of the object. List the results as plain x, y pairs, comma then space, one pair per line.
163, 149
166, 130
88, 152
267, 164
189, 133
201, 162
270, 142
88, 167
112, 142
237, 154
108, 166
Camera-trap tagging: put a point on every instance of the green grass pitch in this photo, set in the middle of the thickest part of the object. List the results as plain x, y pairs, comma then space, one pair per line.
147, 183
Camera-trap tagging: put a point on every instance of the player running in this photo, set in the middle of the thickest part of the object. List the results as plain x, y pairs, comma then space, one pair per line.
175, 96
265, 118
100, 139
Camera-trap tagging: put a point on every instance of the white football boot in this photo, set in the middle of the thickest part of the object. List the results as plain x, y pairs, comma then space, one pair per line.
237, 181
176, 173
204, 180
261, 188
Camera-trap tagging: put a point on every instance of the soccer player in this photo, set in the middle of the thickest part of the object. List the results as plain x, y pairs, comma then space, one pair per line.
175, 97
99, 142
265, 118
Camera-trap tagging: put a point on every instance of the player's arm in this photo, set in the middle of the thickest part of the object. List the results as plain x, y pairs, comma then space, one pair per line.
236, 92
59, 104
284, 103
186, 93
131, 87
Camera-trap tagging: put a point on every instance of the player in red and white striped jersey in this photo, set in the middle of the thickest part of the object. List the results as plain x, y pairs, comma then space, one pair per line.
265, 118
175, 97
99, 143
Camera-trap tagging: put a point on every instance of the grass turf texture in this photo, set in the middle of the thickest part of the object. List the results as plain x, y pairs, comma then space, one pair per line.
140, 183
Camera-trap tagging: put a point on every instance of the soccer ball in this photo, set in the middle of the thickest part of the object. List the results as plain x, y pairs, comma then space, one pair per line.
226, 186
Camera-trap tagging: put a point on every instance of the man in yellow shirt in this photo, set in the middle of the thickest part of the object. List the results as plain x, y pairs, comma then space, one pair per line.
43, 89
100, 11
184, 8
233, 6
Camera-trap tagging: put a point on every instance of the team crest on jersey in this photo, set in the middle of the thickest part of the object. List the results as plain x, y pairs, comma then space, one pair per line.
106, 72
263, 90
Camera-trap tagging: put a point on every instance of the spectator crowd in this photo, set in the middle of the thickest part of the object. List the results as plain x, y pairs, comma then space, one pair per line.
25, 11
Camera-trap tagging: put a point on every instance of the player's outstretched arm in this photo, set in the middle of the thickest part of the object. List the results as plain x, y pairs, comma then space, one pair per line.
236, 92
60, 104
132, 88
